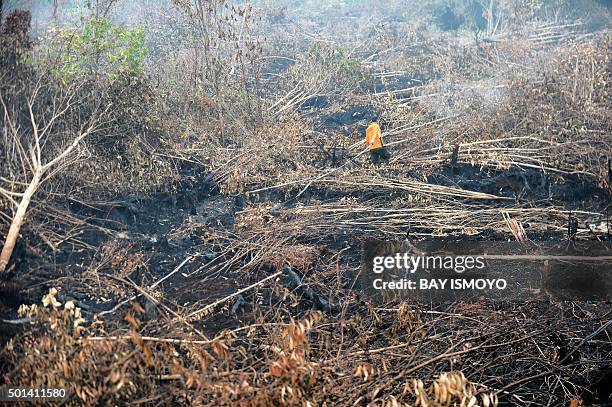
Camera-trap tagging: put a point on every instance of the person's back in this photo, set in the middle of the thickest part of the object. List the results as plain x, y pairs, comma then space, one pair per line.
374, 141
374, 136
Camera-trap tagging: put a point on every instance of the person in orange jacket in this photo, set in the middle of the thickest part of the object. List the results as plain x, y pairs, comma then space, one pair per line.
378, 152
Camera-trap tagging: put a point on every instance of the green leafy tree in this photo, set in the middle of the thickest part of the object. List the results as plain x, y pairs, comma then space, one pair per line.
101, 48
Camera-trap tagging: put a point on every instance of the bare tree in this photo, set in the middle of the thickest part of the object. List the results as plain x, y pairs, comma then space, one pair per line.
224, 51
41, 149
102, 8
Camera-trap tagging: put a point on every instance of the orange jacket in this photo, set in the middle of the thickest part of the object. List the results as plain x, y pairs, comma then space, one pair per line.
374, 136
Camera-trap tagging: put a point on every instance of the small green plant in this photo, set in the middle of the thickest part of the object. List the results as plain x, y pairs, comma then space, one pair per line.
101, 47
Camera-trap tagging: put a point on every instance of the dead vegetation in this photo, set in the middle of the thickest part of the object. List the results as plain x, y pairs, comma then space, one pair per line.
203, 246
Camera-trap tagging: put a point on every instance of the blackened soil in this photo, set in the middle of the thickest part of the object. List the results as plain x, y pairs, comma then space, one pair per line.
574, 192
145, 222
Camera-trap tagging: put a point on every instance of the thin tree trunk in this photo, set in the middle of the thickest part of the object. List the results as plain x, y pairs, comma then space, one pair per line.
54, 18
13, 233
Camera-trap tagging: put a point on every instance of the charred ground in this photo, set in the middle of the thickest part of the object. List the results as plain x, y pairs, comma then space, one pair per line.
223, 167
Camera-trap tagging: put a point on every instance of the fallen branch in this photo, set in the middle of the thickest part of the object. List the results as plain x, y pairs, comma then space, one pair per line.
147, 338
203, 310
320, 302
132, 298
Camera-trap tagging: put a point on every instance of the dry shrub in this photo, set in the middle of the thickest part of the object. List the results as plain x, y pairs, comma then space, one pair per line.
408, 321
553, 115
14, 42
445, 56
132, 154
450, 389
60, 351
282, 360
324, 71
53, 353
274, 154
583, 74
295, 372
569, 106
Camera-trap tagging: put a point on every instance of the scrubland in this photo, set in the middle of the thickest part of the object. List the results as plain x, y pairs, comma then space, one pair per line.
196, 191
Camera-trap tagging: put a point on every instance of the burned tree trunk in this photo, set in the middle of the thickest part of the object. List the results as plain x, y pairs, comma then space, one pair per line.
18, 219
